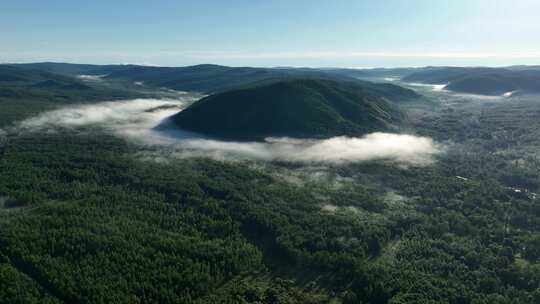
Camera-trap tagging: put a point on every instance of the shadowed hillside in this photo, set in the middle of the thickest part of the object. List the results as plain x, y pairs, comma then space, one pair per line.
294, 108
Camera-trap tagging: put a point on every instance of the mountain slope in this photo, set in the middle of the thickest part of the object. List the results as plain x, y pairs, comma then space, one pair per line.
211, 78
312, 108
485, 81
208, 78
72, 69
18, 83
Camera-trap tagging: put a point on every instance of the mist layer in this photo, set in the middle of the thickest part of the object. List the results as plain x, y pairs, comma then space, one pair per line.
145, 121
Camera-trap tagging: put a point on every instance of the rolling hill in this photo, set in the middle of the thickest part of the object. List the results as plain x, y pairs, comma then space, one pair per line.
302, 108
211, 78
18, 83
207, 78
484, 81
72, 69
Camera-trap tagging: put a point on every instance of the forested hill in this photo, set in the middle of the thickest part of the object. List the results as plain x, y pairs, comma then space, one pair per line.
30, 84
485, 81
293, 108
211, 78
15, 76
208, 78
71, 69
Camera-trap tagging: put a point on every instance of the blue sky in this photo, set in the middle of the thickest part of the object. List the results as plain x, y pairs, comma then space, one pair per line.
344, 33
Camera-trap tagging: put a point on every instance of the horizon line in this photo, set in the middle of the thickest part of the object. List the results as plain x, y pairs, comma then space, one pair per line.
271, 67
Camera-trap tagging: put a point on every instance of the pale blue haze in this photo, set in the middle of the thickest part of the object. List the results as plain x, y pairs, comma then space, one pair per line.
273, 33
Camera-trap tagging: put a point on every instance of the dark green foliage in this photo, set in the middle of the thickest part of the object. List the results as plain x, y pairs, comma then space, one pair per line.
394, 93
24, 92
16, 287
483, 84
292, 108
84, 220
100, 226
532, 249
440, 75
95, 220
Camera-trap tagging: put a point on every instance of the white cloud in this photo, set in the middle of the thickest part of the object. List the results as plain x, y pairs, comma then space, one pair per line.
91, 77
434, 87
145, 121
375, 146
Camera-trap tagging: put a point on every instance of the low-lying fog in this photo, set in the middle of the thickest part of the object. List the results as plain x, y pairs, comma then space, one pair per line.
145, 121
441, 91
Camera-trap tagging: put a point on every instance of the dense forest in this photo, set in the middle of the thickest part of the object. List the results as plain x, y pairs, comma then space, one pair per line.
481, 80
300, 108
85, 219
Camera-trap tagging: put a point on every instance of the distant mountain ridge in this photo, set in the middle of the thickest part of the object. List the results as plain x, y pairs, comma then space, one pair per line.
485, 81
71, 69
302, 108
48, 78
211, 78
27, 83
207, 78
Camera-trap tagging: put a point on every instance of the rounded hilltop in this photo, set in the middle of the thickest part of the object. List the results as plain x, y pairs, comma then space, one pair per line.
300, 107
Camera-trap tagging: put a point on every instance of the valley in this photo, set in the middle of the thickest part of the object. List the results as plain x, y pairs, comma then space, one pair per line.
104, 199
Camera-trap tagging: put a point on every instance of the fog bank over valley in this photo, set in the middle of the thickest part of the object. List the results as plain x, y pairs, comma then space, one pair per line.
145, 121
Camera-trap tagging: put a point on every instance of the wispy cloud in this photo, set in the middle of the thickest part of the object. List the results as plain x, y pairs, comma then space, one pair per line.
375, 146
91, 77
